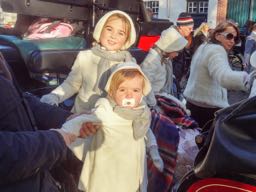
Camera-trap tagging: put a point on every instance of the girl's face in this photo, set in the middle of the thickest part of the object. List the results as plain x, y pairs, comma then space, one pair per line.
114, 34
227, 38
129, 90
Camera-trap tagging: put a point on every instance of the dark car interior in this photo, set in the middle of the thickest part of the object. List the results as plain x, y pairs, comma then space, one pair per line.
36, 62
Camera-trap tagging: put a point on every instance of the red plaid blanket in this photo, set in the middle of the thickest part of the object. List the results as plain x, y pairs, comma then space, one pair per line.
176, 113
167, 137
164, 127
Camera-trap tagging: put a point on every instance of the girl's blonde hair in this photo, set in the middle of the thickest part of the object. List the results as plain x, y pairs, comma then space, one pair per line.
122, 75
124, 20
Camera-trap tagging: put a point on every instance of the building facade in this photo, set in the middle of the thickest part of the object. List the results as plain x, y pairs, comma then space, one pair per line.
170, 9
211, 11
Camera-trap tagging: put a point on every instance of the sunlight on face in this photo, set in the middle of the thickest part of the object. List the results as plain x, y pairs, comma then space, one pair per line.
228, 44
114, 34
130, 88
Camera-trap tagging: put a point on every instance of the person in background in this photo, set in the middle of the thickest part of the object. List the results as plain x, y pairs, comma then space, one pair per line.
158, 63
185, 26
200, 36
211, 75
250, 47
158, 68
150, 12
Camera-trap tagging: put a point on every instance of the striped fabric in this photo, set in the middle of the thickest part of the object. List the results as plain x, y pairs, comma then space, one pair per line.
167, 137
164, 127
176, 113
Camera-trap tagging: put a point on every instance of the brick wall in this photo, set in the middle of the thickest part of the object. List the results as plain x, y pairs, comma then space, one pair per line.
222, 10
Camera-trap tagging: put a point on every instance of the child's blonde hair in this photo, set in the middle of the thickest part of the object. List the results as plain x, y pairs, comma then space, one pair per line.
124, 20
203, 27
122, 75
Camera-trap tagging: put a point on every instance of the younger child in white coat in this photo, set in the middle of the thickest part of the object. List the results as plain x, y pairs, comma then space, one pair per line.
116, 158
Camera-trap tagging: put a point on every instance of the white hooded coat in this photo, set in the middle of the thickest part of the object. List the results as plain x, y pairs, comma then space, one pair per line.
156, 71
115, 160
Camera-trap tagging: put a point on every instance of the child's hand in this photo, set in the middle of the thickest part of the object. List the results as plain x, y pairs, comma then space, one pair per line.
68, 137
89, 128
157, 160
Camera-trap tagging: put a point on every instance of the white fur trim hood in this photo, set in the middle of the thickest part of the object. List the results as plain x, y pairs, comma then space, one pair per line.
129, 65
171, 40
102, 21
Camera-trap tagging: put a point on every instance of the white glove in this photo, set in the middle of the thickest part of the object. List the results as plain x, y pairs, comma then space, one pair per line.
157, 160
51, 99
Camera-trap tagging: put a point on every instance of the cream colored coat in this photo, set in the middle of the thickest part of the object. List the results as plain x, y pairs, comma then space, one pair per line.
115, 161
81, 80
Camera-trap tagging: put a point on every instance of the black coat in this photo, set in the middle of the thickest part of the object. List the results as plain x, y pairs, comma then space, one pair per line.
27, 155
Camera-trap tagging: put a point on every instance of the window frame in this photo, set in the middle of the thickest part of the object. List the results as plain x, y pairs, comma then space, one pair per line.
154, 5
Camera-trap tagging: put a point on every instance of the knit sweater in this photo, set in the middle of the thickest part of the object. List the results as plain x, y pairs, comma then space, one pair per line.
211, 76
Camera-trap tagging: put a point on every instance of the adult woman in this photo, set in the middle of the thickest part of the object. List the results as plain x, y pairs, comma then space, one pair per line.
211, 75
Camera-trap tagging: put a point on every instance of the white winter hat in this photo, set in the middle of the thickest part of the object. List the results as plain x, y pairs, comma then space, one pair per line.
171, 40
253, 59
129, 65
100, 24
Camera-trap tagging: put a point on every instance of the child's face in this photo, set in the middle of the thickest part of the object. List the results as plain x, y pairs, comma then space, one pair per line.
129, 90
113, 35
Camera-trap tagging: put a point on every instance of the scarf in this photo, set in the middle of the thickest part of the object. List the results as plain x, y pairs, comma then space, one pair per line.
140, 116
103, 71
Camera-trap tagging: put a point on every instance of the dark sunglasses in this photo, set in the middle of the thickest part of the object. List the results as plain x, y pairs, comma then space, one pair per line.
230, 36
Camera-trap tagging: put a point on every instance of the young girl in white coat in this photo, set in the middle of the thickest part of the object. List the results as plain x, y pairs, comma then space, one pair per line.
113, 34
116, 157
